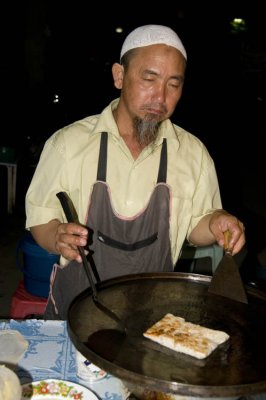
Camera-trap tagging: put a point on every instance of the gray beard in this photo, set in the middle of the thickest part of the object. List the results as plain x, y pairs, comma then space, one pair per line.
145, 131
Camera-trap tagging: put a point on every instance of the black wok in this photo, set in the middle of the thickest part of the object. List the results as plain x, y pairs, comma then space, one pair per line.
237, 369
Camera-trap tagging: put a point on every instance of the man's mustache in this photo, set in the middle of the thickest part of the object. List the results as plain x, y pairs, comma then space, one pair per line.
155, 106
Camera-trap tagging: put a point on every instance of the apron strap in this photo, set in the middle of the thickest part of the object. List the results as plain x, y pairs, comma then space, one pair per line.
162, 174
102, 164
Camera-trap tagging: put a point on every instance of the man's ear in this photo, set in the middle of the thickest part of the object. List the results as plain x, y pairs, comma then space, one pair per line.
118, 75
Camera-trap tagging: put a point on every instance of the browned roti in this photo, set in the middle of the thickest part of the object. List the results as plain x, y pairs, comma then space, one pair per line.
185, 337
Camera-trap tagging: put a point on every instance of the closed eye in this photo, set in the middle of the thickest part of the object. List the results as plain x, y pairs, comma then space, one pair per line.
176, 82
149, 75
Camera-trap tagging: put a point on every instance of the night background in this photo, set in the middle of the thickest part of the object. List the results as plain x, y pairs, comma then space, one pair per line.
56, 63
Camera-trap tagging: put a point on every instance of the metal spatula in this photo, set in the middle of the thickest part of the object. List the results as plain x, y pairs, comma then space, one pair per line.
227, 280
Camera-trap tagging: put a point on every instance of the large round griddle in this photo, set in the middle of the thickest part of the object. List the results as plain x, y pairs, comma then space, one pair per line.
235, 369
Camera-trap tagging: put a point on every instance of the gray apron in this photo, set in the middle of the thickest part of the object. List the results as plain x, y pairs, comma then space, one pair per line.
118, 246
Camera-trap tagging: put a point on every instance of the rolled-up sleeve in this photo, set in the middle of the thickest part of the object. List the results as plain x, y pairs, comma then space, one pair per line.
49, 178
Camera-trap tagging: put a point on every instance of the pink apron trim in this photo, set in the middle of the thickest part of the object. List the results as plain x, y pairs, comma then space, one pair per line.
52, 278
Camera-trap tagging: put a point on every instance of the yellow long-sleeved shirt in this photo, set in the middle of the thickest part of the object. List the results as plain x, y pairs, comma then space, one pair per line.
69, 163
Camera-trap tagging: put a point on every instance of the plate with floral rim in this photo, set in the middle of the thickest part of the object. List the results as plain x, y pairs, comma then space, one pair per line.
56, 389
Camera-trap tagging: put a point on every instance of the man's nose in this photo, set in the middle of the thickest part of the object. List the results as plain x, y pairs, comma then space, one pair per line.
160, 92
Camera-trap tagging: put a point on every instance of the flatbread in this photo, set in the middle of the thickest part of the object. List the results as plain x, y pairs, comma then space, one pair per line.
185, 337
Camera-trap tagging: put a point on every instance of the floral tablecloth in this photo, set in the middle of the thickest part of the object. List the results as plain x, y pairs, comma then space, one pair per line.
51, 354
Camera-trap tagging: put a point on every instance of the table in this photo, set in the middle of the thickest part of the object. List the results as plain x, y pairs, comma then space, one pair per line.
11, 184
51, 354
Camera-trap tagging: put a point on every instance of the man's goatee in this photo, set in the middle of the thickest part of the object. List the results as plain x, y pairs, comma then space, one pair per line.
146, 131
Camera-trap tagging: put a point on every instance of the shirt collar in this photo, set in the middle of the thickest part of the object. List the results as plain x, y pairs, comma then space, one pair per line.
106, 123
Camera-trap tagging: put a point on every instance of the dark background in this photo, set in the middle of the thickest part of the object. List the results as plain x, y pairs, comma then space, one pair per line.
53, 48
50, 47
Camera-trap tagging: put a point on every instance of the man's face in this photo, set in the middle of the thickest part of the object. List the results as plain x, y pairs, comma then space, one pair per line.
152, 85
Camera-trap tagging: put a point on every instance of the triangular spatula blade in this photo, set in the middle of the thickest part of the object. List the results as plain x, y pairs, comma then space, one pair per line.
227, 280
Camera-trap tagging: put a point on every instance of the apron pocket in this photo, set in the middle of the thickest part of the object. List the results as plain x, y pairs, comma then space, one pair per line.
124, 246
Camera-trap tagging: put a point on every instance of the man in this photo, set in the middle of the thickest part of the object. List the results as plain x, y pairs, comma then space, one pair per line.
141, 184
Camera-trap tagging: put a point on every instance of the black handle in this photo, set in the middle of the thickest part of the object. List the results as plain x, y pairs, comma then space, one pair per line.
72, 216
68, 207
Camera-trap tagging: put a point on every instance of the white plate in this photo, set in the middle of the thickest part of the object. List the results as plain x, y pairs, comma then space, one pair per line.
55, 389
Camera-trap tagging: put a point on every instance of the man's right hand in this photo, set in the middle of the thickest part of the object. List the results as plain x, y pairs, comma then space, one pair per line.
61, 238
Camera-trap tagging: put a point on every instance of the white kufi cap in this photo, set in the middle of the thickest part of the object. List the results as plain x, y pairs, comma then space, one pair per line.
152, 34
